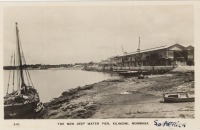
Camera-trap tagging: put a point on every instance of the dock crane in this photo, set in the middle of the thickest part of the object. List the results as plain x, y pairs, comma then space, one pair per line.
124, 53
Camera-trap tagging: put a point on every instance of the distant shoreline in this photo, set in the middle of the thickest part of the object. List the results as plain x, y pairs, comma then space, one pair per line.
71, 68
42, 68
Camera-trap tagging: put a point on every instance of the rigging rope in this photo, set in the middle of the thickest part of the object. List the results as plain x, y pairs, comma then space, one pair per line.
28, 75
14, 73
23, 57
27, 78
26, 70
30, 79
29, 82
9, 74
19, 81
18, 75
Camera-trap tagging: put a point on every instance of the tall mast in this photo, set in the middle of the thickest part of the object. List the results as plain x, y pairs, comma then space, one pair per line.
20, 60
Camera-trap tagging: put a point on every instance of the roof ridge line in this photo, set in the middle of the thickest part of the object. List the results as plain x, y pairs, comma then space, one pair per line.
148, 49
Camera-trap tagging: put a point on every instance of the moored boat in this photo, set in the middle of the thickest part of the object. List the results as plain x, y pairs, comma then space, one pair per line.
134, 73
24, 102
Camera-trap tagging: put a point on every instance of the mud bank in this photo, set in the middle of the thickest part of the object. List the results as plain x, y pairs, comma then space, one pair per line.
123, 98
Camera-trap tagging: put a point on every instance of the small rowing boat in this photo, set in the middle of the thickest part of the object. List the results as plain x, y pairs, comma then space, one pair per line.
179, 97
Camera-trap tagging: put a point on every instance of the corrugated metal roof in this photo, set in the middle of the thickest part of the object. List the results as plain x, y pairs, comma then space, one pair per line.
148, 50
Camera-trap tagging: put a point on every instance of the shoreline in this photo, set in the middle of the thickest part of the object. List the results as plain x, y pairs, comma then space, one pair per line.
123, 98
64, 68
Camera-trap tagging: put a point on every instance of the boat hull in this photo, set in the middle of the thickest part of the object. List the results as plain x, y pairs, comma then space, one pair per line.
20, 111
134, 74
176, 100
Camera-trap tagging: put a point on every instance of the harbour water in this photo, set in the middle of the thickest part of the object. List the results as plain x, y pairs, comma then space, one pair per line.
51, 83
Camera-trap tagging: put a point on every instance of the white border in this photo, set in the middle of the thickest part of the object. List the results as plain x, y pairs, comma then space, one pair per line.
52, 123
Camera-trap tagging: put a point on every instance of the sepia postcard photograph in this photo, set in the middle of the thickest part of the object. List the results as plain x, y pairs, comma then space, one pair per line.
99, 60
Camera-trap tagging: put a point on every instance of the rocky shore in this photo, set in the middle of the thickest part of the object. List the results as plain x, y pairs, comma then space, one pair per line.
123, 98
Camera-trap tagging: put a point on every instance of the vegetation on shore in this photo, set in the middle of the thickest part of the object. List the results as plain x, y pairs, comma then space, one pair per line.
43, 66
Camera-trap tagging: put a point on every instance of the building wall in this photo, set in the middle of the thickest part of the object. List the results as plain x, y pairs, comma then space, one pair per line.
171, 56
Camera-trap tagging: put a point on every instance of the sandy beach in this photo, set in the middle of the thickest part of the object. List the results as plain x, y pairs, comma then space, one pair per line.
124, 98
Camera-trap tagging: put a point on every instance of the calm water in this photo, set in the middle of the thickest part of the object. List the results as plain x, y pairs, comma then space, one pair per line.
51, 83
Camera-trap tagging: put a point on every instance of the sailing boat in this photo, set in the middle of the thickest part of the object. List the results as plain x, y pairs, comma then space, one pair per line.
24, 101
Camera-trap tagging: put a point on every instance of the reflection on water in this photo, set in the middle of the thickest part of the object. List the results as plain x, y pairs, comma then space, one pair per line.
51, 83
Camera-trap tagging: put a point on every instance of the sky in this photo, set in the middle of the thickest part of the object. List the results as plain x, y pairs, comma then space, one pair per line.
83, 33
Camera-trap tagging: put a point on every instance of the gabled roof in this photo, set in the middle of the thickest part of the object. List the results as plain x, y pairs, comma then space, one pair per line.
177, 46
147, 50
190, 47
159, 48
